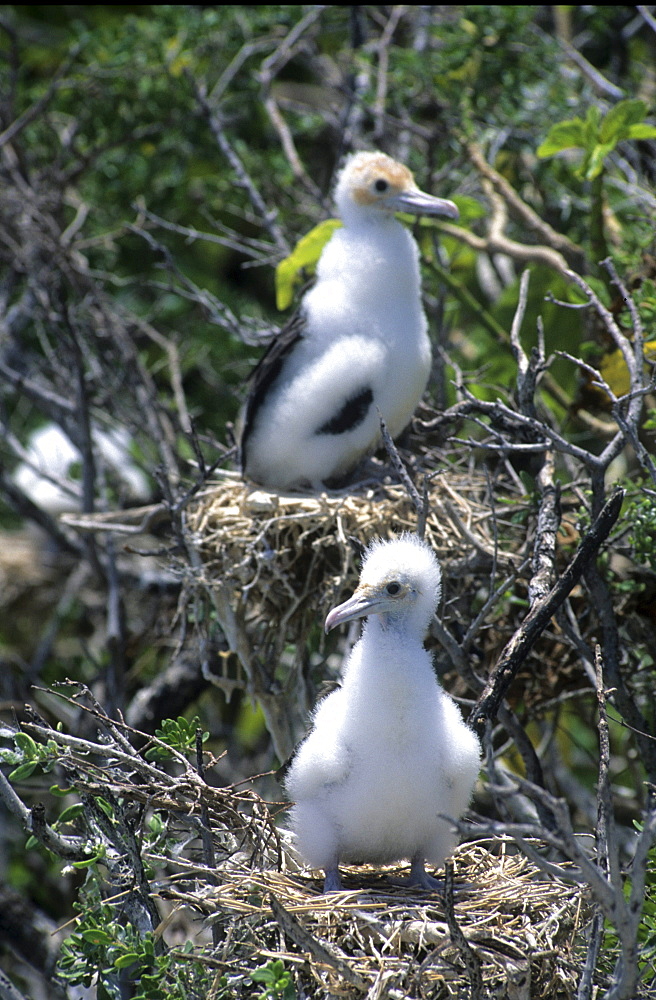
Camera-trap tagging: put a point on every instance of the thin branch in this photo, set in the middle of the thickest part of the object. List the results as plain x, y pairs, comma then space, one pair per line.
7, 989
384, 43
546, 532
292, 927
270, 68
560, 243
607, 851
647, 16
599, 82
469, 956
34, 111
586, 986
420, 503
541, 613
623, 699
241, 176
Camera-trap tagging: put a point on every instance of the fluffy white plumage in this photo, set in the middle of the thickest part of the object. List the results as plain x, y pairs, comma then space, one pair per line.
358, 345
47, 476
389, 753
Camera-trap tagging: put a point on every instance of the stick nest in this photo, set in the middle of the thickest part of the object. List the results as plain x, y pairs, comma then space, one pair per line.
286, 560
522, 929
226, 876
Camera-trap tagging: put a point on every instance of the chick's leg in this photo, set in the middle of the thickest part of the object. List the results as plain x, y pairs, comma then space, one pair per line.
332, 881
420, 877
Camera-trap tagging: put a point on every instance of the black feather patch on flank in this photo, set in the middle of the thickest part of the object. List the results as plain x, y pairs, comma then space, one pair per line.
352, 413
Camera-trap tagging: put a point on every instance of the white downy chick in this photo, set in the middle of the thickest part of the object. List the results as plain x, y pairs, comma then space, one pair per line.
47, 476
389, 754
357, 346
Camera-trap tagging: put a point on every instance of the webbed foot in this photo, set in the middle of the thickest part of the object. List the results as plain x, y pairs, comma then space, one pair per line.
420, 877
332, 881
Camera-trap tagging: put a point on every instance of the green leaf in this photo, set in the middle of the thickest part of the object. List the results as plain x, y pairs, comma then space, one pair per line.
263, 976
469, 208
592, 125
642, 131
131, 958
96, 935
87, 862
71, 813
598, 136
26, 744
59, 792
615, 125
304, 256
150, 983
563, 135
24, 770
155, 824
594, 163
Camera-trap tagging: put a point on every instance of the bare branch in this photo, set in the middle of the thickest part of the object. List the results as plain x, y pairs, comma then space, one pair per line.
469, 956
560, 243
420, 503
540, 614
546, 531
647, 16
607, 852
384, 42
241, 175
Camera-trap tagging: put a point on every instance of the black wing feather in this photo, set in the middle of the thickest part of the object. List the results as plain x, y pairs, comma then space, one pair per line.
265, 374
267, 371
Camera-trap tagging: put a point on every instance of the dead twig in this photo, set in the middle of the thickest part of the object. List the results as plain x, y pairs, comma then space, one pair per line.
469, 956
541, 613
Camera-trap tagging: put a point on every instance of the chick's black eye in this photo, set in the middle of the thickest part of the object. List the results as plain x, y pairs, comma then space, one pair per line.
381, 185
393, 588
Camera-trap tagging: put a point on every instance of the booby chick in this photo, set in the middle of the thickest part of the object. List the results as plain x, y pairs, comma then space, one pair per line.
47, 474
358, 344
388, 755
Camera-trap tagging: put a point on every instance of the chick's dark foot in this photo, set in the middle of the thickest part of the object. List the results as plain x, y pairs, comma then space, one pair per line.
332, 881
419, 877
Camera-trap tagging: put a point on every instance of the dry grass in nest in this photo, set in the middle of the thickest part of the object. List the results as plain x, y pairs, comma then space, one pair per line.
287, 559
377, 939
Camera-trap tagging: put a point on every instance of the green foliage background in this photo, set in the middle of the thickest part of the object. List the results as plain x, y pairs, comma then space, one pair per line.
103, 109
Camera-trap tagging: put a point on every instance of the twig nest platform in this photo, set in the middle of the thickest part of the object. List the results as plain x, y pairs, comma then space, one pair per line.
289, 558
377, 939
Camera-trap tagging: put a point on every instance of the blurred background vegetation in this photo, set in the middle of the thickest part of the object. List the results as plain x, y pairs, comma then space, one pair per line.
156, 165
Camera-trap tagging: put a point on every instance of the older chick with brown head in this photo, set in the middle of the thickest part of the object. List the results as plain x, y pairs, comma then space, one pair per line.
357, 347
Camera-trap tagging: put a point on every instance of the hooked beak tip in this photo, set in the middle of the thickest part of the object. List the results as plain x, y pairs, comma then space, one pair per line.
417, 202
446, 208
